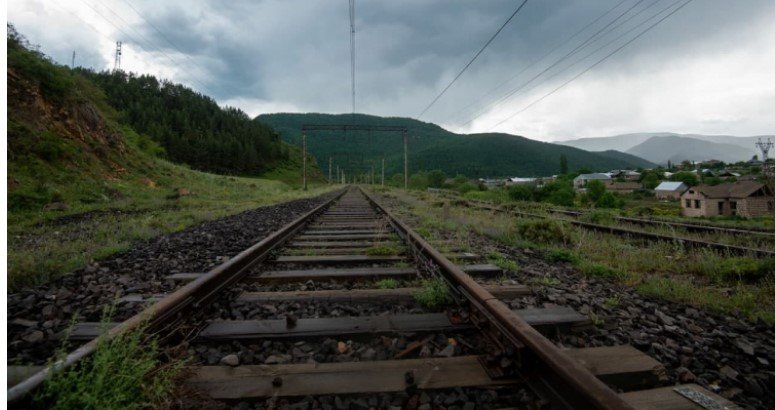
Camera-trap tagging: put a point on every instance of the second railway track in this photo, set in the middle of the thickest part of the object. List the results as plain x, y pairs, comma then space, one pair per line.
306, 319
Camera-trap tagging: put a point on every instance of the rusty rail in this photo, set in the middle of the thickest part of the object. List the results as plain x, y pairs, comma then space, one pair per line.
570, 385
174, 306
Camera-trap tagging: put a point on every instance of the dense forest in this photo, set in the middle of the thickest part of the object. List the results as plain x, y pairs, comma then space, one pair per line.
191, 127
432, 147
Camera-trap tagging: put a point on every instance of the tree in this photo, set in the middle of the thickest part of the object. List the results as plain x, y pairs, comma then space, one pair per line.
436, 178
687, 178
562, 197
595, 190
607, 200
650, 179
563, 164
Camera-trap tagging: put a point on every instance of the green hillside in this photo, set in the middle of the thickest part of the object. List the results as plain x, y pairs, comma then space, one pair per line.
83, 184
432, 147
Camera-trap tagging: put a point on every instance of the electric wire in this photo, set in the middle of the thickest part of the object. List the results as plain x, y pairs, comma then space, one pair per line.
590, 40
473, 59
536, 61
593, 65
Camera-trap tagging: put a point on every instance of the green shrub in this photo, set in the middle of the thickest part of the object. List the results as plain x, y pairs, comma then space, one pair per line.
466, 187
433, 294
521, 193
562, 255
544, 231
123, 373
599, 217
609, 200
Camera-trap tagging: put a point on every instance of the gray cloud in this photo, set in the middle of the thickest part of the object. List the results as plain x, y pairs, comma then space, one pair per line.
280, 54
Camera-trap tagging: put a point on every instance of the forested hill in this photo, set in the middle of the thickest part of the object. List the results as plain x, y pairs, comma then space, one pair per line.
191, 127
432, 147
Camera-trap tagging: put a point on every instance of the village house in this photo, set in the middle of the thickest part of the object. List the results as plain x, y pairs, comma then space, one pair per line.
622, 187
625, 175
670, 190
520, 181
743, 198
581, 181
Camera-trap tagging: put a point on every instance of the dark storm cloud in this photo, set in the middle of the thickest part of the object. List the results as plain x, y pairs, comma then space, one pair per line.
296, 53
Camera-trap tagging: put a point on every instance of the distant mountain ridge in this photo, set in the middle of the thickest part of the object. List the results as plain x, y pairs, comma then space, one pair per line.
694, 147
432, 147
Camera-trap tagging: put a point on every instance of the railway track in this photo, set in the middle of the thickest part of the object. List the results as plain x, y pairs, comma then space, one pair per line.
634, 233
303, 318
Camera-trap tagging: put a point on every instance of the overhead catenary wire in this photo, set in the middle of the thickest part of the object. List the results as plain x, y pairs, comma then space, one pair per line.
598, 62
486, 44
589, 40
192, 76
538, 60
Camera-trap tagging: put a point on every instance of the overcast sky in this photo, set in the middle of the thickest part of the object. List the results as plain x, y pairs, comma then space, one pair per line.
709, 68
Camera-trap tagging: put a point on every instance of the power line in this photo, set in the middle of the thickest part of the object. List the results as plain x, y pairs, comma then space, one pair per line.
591, 39
352, 51
531, 65
595, 64
473, 59
140, 44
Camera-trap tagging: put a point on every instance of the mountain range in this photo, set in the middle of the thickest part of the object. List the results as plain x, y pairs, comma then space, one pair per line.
433, 147
660, 147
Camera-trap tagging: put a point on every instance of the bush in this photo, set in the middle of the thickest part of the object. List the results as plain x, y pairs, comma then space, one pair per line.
521, 193
562, 197
599, 217
436, 178
466, 187
544, 231
562, 255
609, 200
595, 190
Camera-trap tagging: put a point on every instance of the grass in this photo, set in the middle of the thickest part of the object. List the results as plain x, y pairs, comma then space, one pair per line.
123, 373
698, 276
385, 250
110, 214
433, 294
508, 265
613, 301
387, 284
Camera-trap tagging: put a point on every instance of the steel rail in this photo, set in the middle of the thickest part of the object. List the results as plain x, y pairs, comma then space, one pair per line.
572, 385
734, 249
193, 295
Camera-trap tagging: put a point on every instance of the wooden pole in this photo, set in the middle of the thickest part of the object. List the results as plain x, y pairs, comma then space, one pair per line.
406, 160
383, 172
372, 174
330, 162
304, 160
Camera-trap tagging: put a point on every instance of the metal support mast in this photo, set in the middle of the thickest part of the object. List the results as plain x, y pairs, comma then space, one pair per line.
406, 159
765, 148
117, 61
304, 160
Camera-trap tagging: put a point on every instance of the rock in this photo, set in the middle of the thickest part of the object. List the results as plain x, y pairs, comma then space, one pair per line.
685, 375
34, 337
369, 354
342, 347
24, 323
230, 360
730, 394
663, 318
746, 347
728, 373
277, 359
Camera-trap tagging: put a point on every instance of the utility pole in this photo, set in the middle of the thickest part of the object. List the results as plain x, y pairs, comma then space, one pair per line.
383, 172
329, 170
72, 65
372, 174
304, 160
406, 160
117, 61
